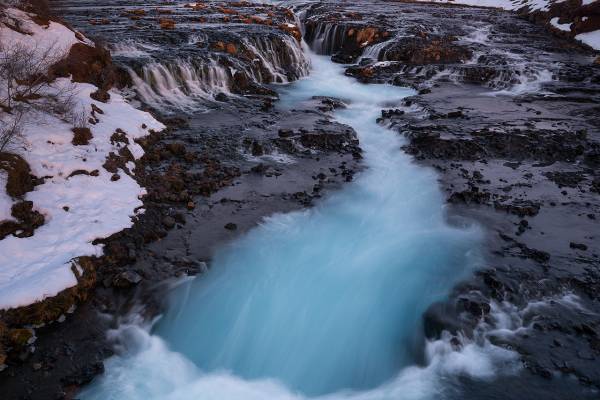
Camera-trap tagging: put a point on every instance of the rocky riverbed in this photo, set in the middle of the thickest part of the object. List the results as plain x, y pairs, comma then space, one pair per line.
505, 112
508, 116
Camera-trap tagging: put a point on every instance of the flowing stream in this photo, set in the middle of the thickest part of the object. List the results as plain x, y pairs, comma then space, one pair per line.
325, 302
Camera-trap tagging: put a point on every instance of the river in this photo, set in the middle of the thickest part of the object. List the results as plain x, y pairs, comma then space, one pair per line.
325, 302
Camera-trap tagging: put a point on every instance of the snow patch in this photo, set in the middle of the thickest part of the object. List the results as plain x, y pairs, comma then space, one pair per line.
55, 36
592, 39
40, 266
533, 5
77, 209
562, 27
5, 200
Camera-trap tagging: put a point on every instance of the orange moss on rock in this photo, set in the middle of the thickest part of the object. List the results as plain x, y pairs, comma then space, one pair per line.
227, 11
166, 23
231, 48
292, 30
367, 36
87, 64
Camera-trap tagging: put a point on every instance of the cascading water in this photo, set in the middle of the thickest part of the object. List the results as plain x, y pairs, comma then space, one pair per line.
324, 302
327, 37
514, 74
280, 66
184, 83
374, 52
181, 84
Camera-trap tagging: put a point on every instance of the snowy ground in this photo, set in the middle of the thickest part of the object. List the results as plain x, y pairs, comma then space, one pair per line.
55, 36
534, 5
78, 209
5, 200
592, 39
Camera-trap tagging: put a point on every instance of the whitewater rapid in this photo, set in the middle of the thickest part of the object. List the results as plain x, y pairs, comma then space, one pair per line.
321, 303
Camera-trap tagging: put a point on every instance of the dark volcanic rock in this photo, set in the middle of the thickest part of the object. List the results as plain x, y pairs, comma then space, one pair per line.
81, 136
230, 226
19, 180
126, 279
427, 50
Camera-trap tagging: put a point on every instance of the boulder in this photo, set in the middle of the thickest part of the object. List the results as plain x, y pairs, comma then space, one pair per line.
126, 279
87, 64
20, 180
81, 136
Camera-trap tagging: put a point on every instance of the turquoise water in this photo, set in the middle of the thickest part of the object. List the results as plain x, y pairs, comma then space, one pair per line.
321, 302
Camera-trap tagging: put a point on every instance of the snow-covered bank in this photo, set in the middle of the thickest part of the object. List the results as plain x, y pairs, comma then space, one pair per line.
532, 5
80, 200
5, 200
592, 39
580, 21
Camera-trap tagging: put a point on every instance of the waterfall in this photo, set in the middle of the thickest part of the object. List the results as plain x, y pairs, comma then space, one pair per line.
327, 38
374, 52
503, 71
132, 49
178, 84
184, 83
277, 66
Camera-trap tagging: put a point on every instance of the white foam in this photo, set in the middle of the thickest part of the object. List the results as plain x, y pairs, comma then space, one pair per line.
530, 82
132, 49
180, 84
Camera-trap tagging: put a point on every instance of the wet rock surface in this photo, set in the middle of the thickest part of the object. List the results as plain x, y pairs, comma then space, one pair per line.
508, 116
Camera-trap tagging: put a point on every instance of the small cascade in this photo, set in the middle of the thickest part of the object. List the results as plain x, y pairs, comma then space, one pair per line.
504, 70
179, 84
132, 49
197, 38
522, 81
326, 38
183, 84
514, 80
375, 51
278, 60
